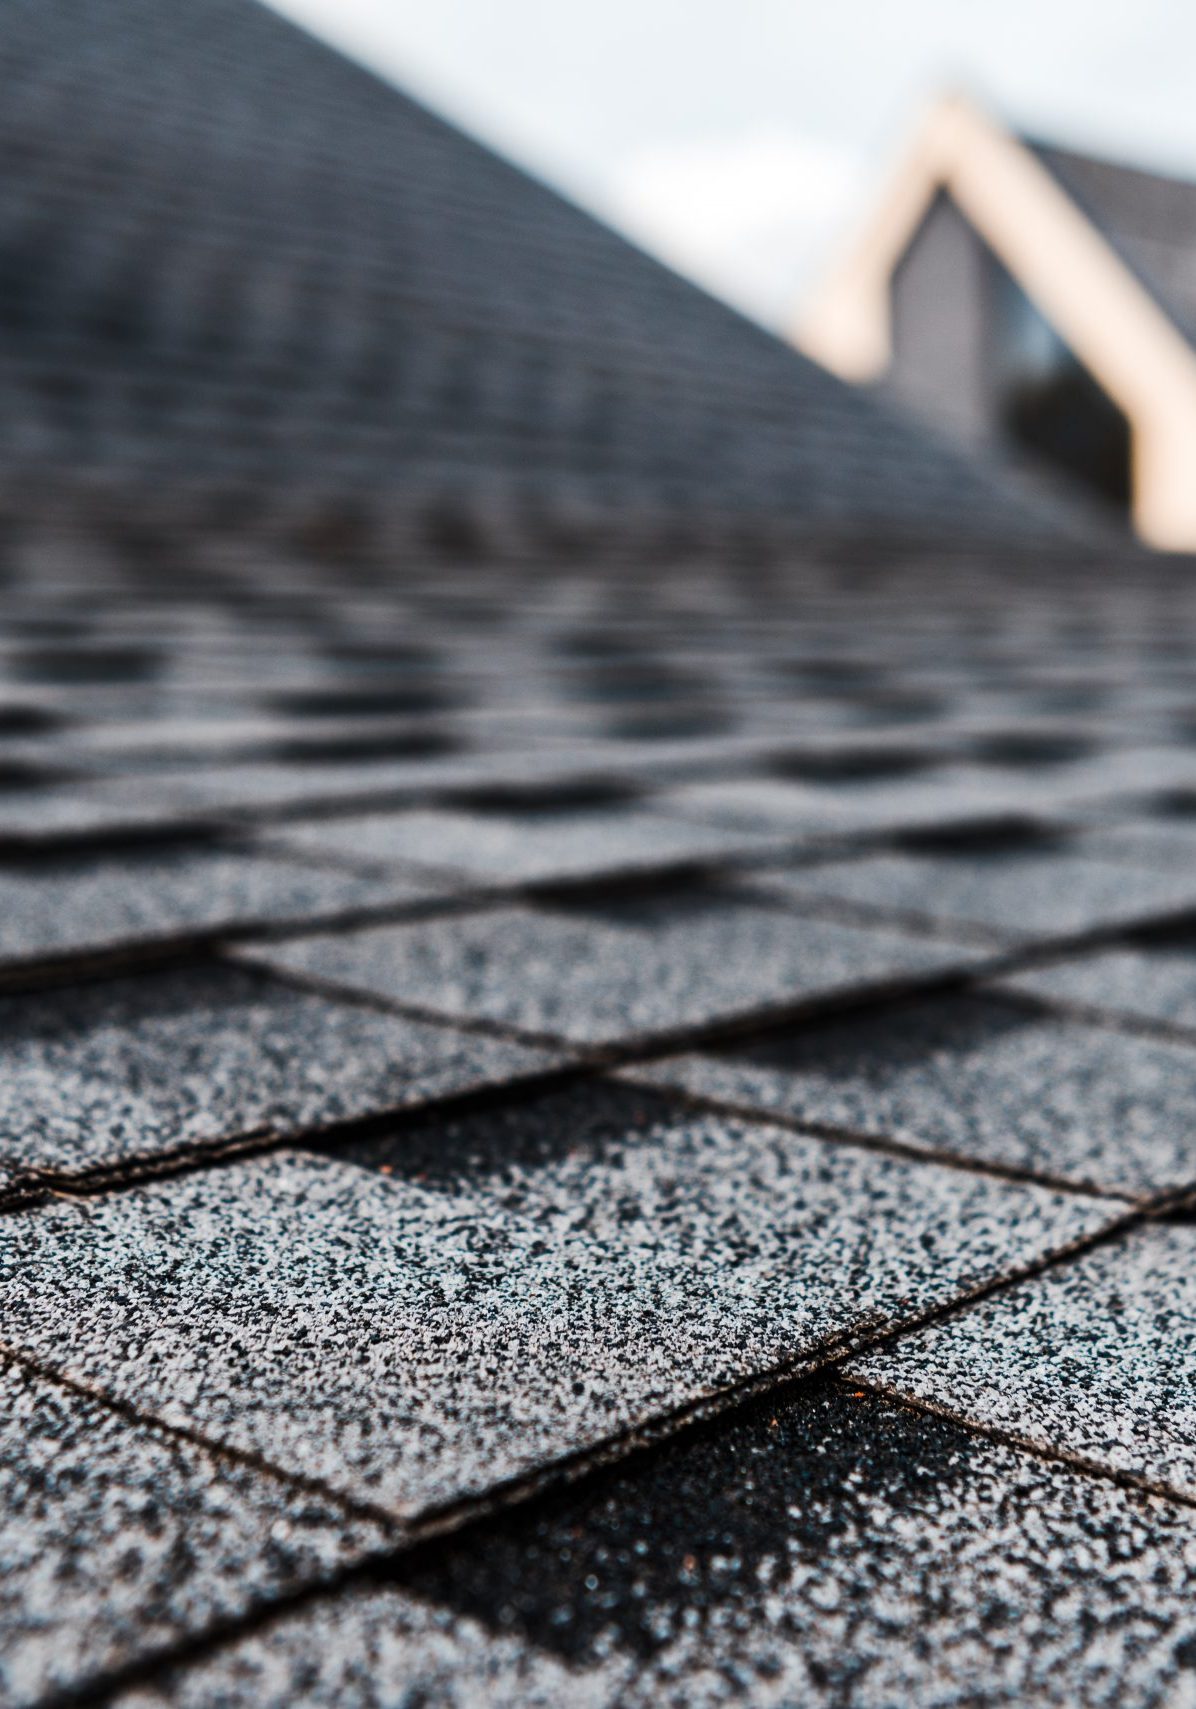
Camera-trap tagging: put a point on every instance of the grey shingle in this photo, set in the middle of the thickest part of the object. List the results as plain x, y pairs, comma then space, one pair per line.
620, 970
1013, 895
62, 812
524, 848
126, 1072
79, 907
943, 796
1146, 842
1095, 1358
1153, 984
980, 1078
502, 1291
374, 1648
827, 1551
118, 1537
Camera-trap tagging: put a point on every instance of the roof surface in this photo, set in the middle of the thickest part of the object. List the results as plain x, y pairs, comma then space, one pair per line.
1148, 217
594, 1126
231, 260
638, 1154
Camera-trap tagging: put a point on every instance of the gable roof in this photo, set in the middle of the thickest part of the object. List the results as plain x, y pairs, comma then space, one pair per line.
1148, 217
1077, 273
228, 255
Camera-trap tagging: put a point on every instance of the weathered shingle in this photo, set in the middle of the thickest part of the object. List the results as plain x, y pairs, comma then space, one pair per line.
1094, 1359
979, 1078
622, 969
828, 1550
504, 1292
69, 908
512, 847
119, 1538
1155, 983
121, 1075
1010, 894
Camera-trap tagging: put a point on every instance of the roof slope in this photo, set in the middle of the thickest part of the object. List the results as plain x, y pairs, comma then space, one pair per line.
1149, 218
471, 1035
646, 1037
229, 256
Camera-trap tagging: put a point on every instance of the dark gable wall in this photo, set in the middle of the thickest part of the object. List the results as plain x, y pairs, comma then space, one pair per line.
973, 358
941, 300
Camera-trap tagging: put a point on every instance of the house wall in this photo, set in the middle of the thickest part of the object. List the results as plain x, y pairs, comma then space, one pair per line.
940, 364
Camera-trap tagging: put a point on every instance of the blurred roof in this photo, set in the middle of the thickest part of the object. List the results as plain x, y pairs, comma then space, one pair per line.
230, 257
1149, 217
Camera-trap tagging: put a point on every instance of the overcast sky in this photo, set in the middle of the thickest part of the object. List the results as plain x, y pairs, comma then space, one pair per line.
739, 139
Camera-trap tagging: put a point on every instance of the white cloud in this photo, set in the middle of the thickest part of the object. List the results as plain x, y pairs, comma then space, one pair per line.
748, 215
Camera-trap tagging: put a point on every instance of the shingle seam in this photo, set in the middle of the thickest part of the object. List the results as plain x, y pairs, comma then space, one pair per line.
590, 1464
913, 921
889, 1146
168, 950
1092, 1015
142, 1419
1038, 1450
763, 1019
615, 1052
32, 1187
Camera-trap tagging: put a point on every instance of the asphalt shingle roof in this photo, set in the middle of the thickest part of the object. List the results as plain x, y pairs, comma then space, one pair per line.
367, 1172
569, 989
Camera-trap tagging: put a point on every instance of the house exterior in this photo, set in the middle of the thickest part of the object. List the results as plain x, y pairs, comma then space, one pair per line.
1033, 301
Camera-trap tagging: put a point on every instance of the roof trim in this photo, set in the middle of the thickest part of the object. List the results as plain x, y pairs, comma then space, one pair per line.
1065, 265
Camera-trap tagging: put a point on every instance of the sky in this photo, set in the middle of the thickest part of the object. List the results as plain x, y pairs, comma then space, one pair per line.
741, 140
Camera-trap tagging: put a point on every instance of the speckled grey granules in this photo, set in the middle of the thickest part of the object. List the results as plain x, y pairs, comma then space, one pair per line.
830, 1550
117, 1537
619, 970
1013, 894
1146, 842
496, 1293
977, 1077
1096, 1357
130, 1070
62, 908
382, 1649
946, 795
523, 848
1157, 983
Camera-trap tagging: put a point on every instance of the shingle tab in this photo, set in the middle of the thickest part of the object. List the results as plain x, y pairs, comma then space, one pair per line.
841, 807
625, 1258
524, 848
830, 1550
978, 1078
126, 1073
1167, 842
1095, 1358
1013, 896
118, 1537
67, 909
1153, 984
619, 970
